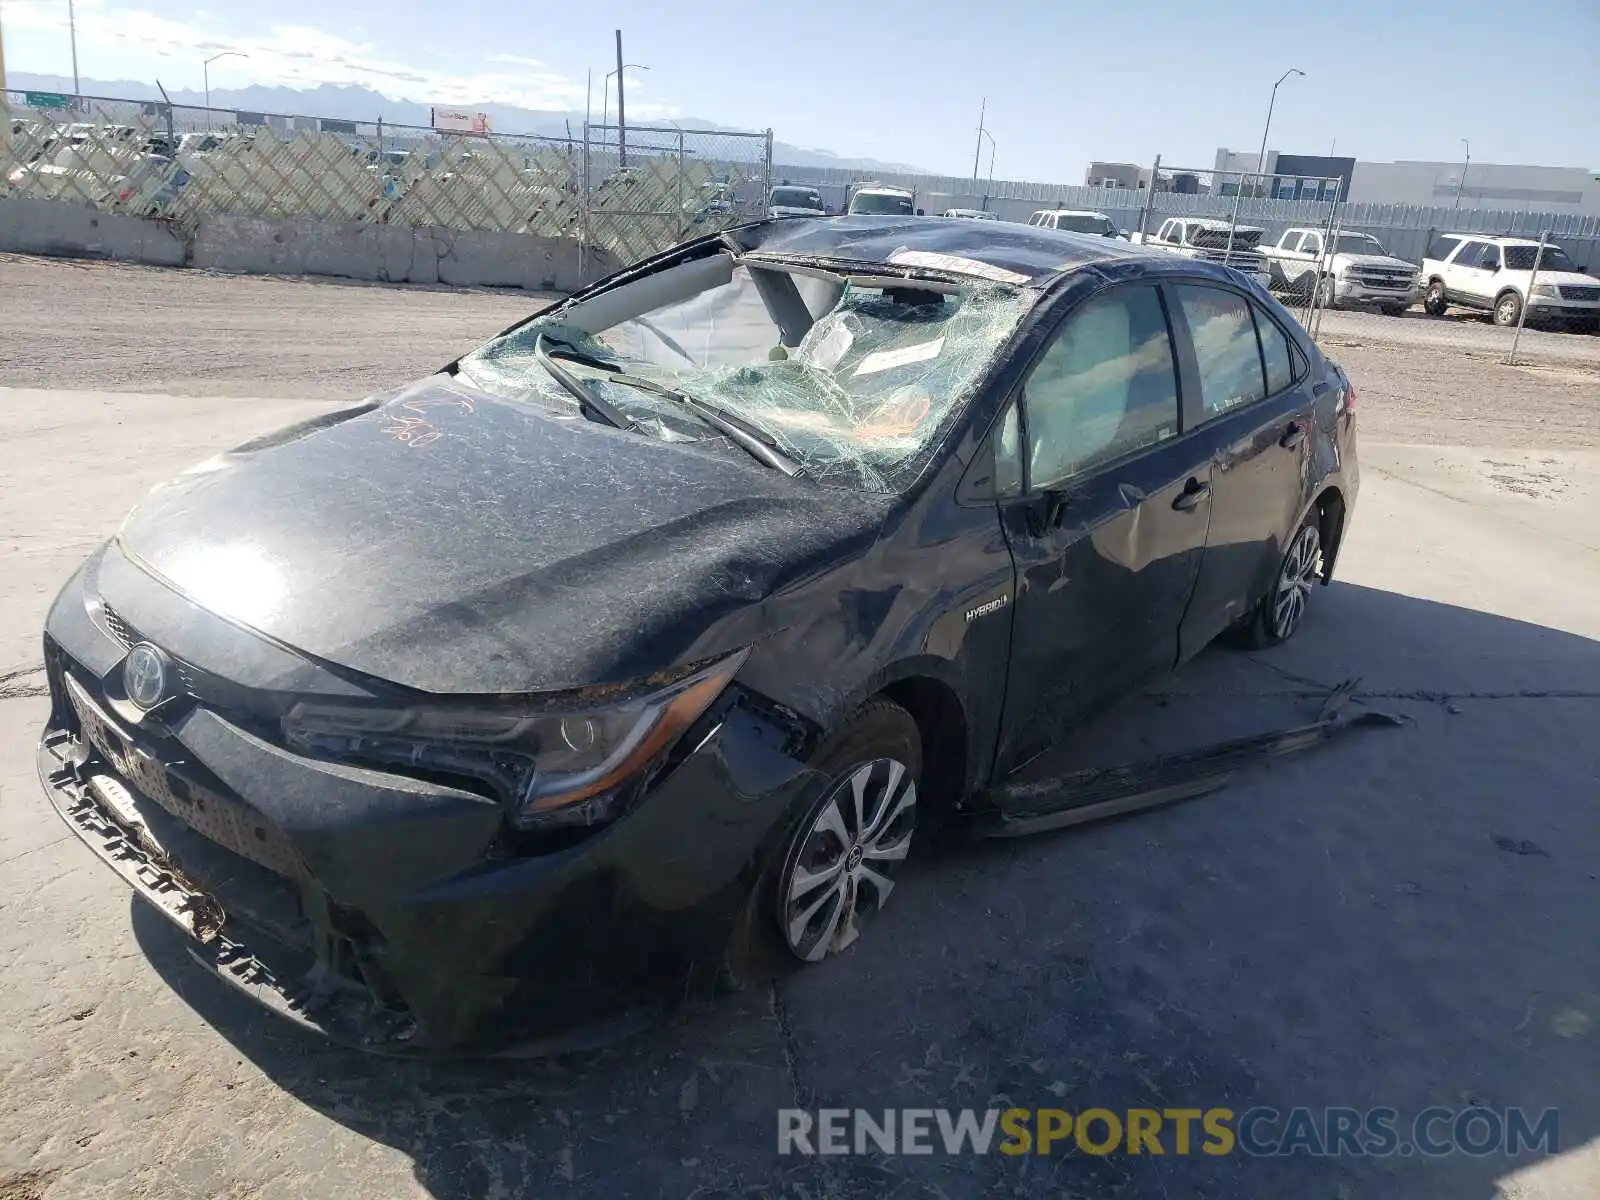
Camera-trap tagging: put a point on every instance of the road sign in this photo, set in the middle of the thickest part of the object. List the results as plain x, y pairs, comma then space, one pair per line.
46, 100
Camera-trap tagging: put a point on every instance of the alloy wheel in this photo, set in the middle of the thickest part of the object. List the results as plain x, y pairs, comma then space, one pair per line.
1508, 310
1299, 573
839, 874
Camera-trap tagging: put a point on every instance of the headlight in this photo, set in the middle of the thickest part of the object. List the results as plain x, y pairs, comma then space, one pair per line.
561, 761
1548, 290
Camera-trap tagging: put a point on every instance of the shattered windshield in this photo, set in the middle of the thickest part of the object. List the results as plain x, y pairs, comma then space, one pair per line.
861, 400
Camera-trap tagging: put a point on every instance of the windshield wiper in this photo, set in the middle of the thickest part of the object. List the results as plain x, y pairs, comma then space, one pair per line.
760, 446
588, 399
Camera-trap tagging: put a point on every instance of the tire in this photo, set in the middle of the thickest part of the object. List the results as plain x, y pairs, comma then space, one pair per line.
1434, 303
1507, 309
1281, 612
1327, 298
793, 921
1396, 310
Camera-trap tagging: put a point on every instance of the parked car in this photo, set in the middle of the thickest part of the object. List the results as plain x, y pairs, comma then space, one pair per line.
880, 199
1495, 274
659, 625
1212, 240
1359, 271
790, 200
1076, 220
971, 214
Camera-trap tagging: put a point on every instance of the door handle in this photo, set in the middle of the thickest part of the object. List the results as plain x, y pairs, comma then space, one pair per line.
1293, 436
1193, 492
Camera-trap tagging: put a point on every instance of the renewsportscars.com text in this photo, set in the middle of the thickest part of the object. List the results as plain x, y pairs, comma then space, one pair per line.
1260, 1132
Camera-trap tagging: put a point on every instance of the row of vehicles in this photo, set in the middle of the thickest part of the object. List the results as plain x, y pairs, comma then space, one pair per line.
1486, 273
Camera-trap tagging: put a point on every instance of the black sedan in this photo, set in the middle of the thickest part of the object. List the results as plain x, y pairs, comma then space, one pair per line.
633, 648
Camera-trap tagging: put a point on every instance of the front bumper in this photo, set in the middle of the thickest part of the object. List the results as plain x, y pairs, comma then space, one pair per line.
1350, 291
1549, 308
393, 914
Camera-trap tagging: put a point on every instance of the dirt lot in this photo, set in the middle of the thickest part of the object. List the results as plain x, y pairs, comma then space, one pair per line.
1404, 918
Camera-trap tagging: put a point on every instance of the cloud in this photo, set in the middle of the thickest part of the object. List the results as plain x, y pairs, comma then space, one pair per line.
298, 56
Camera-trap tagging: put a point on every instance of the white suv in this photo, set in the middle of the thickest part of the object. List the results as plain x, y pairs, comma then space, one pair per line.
1492, 274
1075, 220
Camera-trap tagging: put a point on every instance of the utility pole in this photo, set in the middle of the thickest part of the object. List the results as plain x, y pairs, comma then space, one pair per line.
72, 30
978, 149
1462, 182
622, 120
5, 126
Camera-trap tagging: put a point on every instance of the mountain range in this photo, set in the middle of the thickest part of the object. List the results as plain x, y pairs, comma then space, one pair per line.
351, 102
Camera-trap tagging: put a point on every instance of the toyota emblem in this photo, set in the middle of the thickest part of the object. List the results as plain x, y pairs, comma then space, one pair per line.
144, 675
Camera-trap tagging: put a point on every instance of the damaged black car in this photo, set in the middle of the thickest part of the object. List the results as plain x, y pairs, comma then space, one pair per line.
635, 649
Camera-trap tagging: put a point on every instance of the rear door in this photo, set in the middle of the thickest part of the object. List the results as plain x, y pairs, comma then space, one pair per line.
1255, 419
1108, 539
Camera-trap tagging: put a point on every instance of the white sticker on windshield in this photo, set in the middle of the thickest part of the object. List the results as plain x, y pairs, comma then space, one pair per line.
955, 262
832, 347
885, 360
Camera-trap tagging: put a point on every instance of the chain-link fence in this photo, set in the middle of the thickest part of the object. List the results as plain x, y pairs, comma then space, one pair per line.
631, 192
649, 187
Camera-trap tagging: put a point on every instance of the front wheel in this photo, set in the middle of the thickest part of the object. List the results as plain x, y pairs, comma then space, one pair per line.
1434, 303
839, 864
1327, 297
1507, 309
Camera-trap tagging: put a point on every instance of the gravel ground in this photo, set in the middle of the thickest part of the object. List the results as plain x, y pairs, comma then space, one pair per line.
1404, 918
188, 333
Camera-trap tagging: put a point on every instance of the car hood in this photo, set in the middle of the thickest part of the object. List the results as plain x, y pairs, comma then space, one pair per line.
1374, 260
451, 541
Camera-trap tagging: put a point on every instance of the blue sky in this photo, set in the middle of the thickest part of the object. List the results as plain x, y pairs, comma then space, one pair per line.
901, 80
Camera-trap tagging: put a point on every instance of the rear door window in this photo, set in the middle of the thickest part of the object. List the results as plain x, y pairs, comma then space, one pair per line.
1275, 352
1225, 345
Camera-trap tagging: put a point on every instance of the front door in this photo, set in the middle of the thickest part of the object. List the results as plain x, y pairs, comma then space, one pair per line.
1108, 544
1466, 278
1257, 411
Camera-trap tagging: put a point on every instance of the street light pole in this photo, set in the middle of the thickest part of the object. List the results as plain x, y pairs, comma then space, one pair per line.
1462, 182
205, 71
1261, 158
605, 97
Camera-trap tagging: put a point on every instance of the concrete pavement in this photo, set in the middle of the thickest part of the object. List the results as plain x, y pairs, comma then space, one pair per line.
1402, 918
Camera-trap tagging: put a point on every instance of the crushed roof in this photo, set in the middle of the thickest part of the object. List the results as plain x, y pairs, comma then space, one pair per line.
1030, 251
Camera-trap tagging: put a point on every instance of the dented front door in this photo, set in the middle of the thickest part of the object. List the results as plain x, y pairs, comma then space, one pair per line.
1100, 597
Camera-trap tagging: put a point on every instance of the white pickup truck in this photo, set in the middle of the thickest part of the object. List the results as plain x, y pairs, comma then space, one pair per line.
1206, 238
1359, 271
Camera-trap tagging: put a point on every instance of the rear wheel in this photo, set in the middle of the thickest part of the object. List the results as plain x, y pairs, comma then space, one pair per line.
1434, 302
1507, 309
1281, 611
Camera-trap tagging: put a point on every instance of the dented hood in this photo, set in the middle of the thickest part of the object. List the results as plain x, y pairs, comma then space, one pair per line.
451, 541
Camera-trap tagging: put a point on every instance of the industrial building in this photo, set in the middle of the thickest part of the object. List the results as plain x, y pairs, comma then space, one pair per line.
1429, 184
